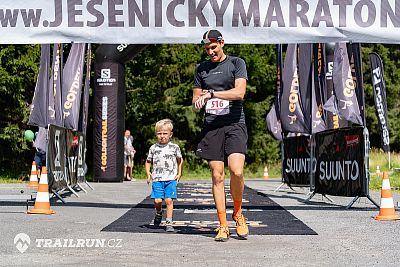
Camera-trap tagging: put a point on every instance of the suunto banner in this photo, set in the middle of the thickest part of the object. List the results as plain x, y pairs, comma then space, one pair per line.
297, 161
340, 162
184, 21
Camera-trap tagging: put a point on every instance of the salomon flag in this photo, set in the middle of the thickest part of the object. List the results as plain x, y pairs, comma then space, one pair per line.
344, 86
72, 86
380, 98
291, 115
38, 115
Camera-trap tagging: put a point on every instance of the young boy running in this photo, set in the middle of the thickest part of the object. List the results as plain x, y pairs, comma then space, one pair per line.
167, 163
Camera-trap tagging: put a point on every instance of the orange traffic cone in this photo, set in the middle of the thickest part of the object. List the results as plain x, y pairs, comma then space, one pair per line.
386, 211
378, 171
266, 175
33, 179
42, 203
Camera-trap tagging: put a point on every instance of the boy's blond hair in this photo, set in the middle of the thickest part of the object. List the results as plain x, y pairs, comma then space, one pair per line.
162, 124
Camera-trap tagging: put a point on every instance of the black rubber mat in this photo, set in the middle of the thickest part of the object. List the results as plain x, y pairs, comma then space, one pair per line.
194, 213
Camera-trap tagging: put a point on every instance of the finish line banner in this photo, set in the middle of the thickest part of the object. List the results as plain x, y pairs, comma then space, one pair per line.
184, 21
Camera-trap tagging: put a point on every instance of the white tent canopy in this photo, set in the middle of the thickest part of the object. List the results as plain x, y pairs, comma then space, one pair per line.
184, 21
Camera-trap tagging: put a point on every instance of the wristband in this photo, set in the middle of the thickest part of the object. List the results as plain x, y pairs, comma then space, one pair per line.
211, 91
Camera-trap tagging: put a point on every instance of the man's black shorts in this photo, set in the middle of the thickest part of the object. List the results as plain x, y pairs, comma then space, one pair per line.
216, 143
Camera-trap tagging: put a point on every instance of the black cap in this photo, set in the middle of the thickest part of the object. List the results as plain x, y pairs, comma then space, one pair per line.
211, 36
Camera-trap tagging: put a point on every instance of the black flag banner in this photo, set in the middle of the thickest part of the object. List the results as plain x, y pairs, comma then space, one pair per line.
291, 115
380, 98
317, 114
344, 86
56, 158
330, 107
306, 82
272, 120
355, 58
83, 121
72, 85
38, 115
273, 124
54, 105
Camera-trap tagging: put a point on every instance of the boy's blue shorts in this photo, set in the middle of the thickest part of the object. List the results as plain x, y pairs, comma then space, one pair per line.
163, 189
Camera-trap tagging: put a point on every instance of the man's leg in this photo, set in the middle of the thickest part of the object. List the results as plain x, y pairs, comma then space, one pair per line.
218, 190
236, 165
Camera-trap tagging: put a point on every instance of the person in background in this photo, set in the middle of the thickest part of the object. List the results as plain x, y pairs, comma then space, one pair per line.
129, 154
40, 145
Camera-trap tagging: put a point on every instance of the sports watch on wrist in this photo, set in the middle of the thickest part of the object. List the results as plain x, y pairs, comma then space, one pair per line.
211, 91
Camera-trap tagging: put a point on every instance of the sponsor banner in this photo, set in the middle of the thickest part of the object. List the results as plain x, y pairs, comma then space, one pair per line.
56, 158
355, 58
38, 115
340, 162
317, 114
55, 110
183, 21
291, 113
297, 162
272, 120
330, 107
72, 149
81, 155
72, 86
379, 86
83, 119
345, 87
273, 124
109, 118
306, 83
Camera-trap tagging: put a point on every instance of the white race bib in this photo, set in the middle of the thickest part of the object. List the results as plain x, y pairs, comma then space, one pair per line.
217, 106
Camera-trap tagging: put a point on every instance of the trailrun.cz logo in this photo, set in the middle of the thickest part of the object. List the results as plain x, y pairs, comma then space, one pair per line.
22, 242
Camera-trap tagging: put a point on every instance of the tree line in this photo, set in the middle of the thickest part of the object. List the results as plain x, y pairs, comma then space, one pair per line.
159, 85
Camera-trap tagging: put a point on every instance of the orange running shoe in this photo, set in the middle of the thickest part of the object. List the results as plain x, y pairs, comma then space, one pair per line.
242, 230
222, 234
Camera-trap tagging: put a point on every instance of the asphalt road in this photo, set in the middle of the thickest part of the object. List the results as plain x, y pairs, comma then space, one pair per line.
84, 232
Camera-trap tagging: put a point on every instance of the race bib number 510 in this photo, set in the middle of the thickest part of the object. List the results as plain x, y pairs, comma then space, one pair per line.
217, 106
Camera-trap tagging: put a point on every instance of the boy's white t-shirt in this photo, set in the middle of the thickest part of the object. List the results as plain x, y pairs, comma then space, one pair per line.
163, 157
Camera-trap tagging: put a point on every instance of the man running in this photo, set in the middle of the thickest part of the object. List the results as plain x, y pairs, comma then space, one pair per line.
220, 87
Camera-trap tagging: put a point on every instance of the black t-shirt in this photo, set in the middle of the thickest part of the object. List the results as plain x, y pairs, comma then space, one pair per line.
221, 76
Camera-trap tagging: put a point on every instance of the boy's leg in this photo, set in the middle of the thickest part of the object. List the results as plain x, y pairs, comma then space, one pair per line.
158, 204
157, 194
170, 208
168, 220
159, 212
170, 194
